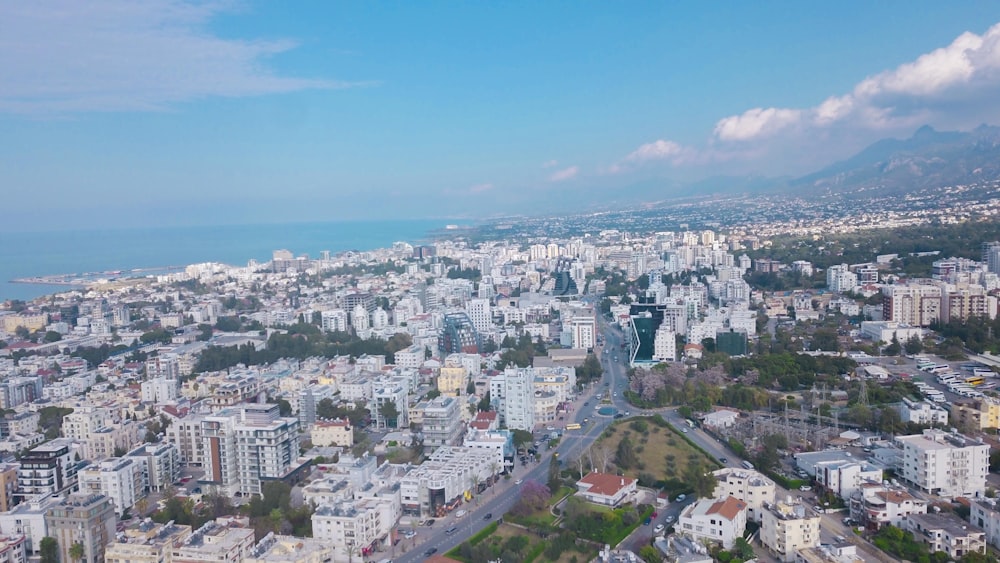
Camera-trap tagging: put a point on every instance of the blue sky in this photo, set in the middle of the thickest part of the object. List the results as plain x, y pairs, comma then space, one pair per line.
169, 113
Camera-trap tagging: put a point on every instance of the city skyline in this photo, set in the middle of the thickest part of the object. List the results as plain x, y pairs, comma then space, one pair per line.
174, 113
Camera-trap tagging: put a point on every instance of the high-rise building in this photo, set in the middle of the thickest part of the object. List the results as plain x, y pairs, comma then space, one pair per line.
787, 527
914, 304
119, 479
50, 468
945, 463
459, 335
481, 314
665, 345
512, 394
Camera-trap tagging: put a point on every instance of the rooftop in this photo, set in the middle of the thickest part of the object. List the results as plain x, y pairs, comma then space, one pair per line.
605, 483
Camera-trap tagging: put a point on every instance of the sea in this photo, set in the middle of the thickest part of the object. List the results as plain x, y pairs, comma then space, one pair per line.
33, 254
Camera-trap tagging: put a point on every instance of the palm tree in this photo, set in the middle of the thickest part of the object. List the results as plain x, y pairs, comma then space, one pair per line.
77, 551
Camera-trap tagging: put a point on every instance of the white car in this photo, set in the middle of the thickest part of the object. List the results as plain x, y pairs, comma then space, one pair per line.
659, 528
519, 481
668, 519
805, 488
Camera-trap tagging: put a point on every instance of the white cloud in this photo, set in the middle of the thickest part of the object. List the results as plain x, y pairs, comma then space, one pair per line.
657, 150
564, 174
550, 164
935, 86
64, 56
480, 188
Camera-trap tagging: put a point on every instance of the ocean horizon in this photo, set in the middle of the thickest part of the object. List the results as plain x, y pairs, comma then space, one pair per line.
32, 254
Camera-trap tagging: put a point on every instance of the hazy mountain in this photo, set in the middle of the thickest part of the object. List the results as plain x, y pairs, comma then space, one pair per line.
927, 159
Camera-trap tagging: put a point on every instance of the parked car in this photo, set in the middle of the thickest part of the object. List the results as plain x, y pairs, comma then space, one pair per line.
658, 528
680, 498
723, 460
488, 516
430, 551
519, 481
430, 522
805, 488
668, 519
451, 530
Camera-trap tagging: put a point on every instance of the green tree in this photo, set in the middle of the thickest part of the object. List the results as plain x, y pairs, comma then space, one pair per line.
77, 551
649, 554
522, 438
48, 549
625, 455
52, 336
390, 413
914, 345
555, 479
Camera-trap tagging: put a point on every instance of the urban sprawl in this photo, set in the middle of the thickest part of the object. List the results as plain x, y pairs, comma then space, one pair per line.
632, 393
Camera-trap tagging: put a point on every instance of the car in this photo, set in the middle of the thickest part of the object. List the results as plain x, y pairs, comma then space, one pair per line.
519, 481
805, 488
430, 522
668, 519
647, 521
615, 394
430, 551
451, 530
488, 516
607, 384
684, 430
723, 460
680, 498
586, 404
659, 528
655, 514
409, 534
586, 420
619, 415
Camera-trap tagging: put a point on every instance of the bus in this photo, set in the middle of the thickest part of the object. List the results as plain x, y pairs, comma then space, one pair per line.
941, 368
573, 426
975, 380
689, 422
983, 372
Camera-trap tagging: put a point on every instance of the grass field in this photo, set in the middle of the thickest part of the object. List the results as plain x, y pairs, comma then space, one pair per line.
661, 452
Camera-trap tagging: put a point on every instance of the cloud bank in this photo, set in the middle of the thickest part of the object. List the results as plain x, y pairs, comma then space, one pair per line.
64, 56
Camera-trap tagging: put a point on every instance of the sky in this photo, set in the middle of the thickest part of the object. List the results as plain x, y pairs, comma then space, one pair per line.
161, 113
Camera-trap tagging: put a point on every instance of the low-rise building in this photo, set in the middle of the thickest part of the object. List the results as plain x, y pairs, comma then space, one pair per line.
976, 414
840, 553
145, 542
947, 533
845, 478
218, 541
716, 520
746, 485
290, 549
922, 412
945, 463
877, 504
118, 478
985, 513
337, 432
441, 481
605, 488
787, 527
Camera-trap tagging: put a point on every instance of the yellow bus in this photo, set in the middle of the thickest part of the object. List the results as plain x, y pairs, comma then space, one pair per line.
573, 426
975, 380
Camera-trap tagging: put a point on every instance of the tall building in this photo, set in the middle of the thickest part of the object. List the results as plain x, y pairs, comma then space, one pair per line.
945, 463
913, 304
85, 519
839, 278
584, 331
749, 486
185, 434
119, 479
481, 314
248, 445
442, 420
458, 335
50, 468
512, 394
665, 345
334, 320
391, 391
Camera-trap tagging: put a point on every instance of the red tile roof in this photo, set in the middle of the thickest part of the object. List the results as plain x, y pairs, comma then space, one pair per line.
727, 508
606, 484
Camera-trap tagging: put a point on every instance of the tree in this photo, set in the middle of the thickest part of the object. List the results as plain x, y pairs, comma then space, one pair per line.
52, 336
389, 412
77, 551
522, 438
555, 479
914, 345
48, 548
649, 554
625, 455
701, 480
742, 550
534, 496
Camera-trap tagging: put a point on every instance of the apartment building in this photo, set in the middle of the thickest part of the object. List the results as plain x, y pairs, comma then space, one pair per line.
159, 464
824, 553
8, 485
28, 519
325, 433
13, 549
223, 540
915, 304
945, 463
583, 331
290, 549
50, 468
985, 514
119, 479
877, 504
452, 380
82, 518
309, 398
434, 486
716, 520
248, 445
976, 414
512, 394
160, 389
839, 278
145, 542
393, 391
922, 412
82, 422
787, 527
845, 478
499, 442
354, 528
946, 532
442, 422
749, 486
185, 434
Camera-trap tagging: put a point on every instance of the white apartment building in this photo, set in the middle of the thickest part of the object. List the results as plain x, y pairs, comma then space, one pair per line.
716, 520
119, 479
877, 504
334, 320
160, 464
945, 463
28, 519
167, 366
159, 390
840, 278
583, 329
442, 422
185, 434
410, 357
922, 412
499, 442
354, 528
844, 479
248, 445
986, 515
290, 549
444, 477
513, 394
50, 468
82, 422
946, 532
481, 314
914, 304
218, 541
749, 486
665, 345
145, 542
396, 392
787, 527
